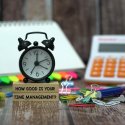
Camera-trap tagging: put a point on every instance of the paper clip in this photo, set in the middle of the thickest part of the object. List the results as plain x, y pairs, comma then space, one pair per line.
69, 97
68, 78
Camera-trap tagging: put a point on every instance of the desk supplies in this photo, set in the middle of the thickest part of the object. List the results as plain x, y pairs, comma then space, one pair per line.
111, 92
10, 31
107, 60
8, 80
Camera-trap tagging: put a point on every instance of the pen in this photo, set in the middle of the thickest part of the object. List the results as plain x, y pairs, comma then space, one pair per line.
115, 91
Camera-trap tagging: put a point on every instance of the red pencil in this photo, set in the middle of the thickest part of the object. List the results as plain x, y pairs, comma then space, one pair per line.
82, 105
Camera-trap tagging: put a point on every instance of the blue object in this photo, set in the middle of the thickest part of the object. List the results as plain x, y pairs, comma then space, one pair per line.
110, 92
9, 94
68, 84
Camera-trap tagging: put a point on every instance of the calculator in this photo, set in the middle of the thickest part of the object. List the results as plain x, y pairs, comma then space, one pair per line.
107, 60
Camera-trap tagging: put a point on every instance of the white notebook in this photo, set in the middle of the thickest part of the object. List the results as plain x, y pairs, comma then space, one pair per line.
65, 56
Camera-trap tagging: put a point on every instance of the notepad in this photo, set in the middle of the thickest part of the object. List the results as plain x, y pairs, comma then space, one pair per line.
65, 55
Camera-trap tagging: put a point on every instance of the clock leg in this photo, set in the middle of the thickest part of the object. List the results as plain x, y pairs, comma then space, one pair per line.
47, 80
25, 80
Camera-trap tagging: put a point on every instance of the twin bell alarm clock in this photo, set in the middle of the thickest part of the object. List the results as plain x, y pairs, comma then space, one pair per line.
36, 63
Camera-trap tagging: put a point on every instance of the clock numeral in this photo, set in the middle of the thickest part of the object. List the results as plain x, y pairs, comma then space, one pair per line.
48, 62
27, 69
24, 64
37, 74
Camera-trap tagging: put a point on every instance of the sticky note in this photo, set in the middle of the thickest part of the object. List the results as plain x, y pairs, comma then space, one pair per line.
56, 76
5, 80
13, 78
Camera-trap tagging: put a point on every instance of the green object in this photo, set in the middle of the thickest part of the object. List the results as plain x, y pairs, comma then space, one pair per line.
86, 99
2, 96
5, 80
56, 76
13, 78
51, 77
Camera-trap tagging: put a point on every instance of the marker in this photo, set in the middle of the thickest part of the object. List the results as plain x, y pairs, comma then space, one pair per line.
20, 77
115, 91
51, 77
56, 76
73, 74
64, 75
13, 78
5, 80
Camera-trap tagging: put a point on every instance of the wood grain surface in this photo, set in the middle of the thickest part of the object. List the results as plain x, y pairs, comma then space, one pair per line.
58, 113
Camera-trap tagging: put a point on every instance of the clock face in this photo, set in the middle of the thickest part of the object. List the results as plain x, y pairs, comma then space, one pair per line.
37, 63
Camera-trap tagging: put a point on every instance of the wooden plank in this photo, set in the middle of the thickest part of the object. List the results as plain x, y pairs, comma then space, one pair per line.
36, 87
13, 10
78, 21
113, 16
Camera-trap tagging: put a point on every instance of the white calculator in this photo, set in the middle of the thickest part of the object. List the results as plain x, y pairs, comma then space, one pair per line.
107, 60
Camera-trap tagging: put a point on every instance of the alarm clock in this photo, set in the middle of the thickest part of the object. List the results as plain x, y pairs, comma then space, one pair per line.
36, 62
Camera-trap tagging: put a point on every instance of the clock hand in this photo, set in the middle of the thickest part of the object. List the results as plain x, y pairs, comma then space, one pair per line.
32, 69
37, 56
43, 67
42, 60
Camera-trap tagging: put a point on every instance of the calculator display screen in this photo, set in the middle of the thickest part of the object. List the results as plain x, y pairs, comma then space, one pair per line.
111, 47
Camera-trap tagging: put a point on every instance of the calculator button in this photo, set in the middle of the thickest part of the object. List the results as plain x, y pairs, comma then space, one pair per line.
111, 60
122, 60
109, 69
97, 69
121, 74
110, 65
98, 59
95, 74
121, 65
97, 65
121, 70
108, 74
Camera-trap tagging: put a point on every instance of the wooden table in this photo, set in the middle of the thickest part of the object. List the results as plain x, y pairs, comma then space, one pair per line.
38, 113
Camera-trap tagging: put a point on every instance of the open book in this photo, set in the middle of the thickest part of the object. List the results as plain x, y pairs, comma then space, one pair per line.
65, 56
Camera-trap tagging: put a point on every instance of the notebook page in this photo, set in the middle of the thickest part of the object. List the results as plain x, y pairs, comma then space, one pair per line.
65, 55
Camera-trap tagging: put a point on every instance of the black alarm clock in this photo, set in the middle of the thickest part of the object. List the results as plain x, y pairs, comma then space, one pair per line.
36, 63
